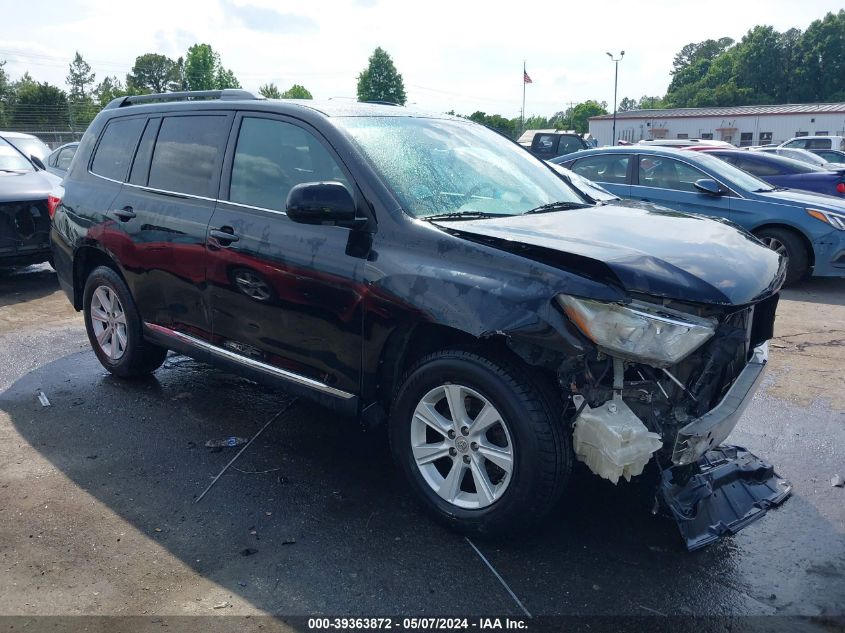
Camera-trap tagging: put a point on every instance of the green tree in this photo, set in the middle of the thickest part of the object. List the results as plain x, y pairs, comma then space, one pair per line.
582, 112
5, 95
820, 57
111, 88
535, 123
296, 92
153, 73
508, 127
627, 104
380, 81
202, 70
79, 78
39, 105
271, 91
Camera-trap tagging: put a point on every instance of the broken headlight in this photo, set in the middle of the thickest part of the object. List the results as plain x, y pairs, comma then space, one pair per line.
639, 331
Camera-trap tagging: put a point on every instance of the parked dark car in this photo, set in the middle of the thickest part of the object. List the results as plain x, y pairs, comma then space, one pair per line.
59, 159
785, 172
808, 229
547, 145
423, 272
24, 216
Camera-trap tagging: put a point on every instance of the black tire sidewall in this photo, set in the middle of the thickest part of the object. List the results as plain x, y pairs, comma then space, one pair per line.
519, 500
798, 265
124, 366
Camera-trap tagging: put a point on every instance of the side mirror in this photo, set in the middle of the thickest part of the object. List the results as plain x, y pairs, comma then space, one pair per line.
708, 186
321, 203
37, 162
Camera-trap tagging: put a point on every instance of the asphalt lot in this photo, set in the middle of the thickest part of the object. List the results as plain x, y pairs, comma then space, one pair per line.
97, 491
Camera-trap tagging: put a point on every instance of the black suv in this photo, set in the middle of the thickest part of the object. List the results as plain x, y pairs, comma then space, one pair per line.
422, 271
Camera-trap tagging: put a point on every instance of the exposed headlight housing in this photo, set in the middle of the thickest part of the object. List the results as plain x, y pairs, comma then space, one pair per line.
639, 331
836, 220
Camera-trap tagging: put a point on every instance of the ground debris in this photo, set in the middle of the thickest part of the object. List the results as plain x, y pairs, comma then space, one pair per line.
222, 605
289, 541
248, 551
226, 442
42, 398
837, 482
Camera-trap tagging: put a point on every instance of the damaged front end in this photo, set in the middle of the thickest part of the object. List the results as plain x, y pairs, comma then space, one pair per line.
669, 382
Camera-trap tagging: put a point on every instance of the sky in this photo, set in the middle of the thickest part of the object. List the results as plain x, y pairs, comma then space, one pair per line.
454, 55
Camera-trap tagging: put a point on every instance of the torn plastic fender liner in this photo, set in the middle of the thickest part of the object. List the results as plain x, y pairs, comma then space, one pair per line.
733, 489
712, 428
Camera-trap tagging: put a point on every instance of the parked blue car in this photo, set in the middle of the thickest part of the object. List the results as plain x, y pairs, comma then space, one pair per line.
785, 172
806, 228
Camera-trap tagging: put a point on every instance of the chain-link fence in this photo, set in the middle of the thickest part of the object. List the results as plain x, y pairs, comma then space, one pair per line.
54, 137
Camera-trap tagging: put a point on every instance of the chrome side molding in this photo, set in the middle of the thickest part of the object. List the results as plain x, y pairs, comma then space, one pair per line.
248, 362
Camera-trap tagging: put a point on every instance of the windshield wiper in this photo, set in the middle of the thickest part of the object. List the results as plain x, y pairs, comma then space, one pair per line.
464, 215
557, 206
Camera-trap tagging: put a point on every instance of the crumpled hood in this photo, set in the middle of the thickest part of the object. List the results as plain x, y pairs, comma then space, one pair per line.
653, 251
26, 186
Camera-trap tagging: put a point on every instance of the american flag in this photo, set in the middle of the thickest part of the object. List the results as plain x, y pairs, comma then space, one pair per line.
525, 78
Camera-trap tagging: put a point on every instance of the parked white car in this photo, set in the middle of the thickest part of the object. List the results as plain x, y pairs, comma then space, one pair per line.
816, 142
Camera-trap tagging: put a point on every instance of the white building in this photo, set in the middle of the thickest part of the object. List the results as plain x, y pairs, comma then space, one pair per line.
741, 125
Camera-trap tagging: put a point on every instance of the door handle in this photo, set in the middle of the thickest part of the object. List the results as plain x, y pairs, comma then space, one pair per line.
225, 235
125, 214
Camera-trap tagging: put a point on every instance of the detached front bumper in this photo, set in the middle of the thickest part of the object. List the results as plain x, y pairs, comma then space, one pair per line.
713, 428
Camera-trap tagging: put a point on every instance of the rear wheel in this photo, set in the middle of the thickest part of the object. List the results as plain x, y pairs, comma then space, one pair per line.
480, 442
790, 246
114, 327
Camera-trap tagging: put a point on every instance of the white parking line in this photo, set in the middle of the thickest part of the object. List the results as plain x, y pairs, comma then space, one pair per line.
499, 576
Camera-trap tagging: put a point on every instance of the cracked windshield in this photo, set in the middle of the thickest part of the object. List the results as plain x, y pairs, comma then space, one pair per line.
439, 166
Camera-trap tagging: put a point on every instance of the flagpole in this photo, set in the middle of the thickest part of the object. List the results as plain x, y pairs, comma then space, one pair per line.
522, 122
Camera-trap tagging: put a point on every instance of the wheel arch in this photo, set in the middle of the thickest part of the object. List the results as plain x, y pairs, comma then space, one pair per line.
808, 245
87, 258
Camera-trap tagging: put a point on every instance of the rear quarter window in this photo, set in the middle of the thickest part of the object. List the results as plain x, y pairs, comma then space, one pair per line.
187, 154
116, 147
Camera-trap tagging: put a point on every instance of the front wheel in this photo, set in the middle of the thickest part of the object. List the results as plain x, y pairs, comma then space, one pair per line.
114, 327
481, 444
788, 245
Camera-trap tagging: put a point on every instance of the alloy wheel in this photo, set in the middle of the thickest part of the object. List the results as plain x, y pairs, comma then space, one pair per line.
108, 321
462, 446
777, 246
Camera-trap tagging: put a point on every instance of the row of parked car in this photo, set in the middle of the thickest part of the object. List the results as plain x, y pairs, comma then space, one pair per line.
794, 206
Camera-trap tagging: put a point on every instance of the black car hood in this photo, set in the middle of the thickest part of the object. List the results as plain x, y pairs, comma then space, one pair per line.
25, 186
653, 251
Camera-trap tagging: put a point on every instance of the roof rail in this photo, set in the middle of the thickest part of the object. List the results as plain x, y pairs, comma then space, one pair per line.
226, 94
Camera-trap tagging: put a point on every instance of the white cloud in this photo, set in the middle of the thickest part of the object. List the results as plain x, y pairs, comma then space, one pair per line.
454, 55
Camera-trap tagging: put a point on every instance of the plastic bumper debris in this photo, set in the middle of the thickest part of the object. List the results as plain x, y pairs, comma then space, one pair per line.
732, 489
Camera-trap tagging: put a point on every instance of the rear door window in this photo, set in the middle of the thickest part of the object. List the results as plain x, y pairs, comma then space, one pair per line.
187, 154
612, 168
116, 148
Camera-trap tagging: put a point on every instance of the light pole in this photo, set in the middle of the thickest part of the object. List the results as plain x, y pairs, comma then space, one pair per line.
615, 84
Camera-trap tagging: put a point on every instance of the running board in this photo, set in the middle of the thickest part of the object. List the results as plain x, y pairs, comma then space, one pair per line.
250, 363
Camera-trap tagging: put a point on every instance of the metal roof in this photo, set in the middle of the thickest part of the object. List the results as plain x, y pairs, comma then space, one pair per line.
758, 110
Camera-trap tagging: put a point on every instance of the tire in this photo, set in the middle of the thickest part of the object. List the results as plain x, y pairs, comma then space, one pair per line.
790, 245
529, 428
121, 347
